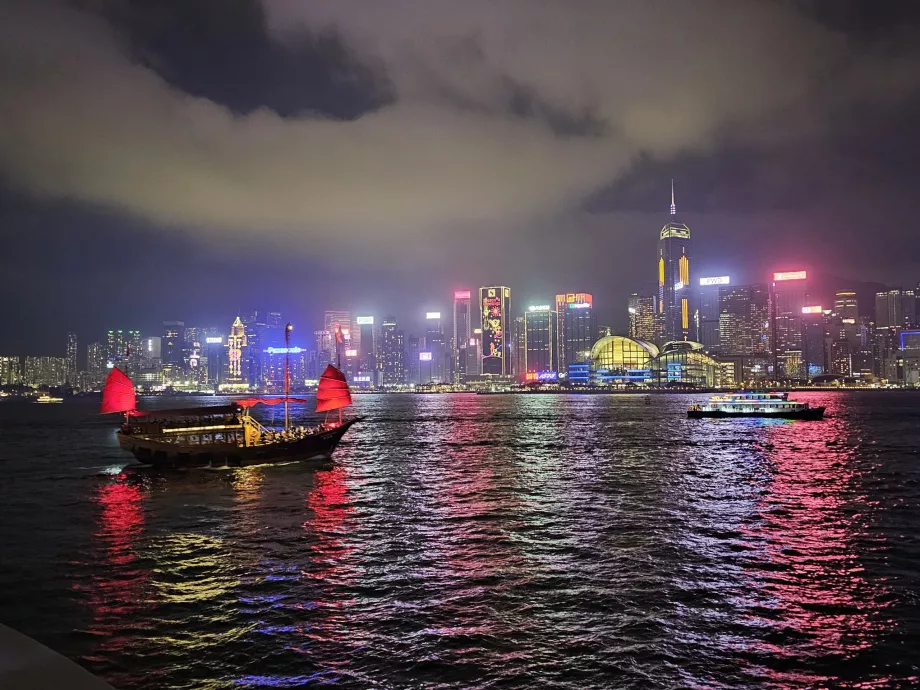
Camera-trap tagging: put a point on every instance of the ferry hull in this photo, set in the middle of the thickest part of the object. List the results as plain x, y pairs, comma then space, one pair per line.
171, 456
812, 413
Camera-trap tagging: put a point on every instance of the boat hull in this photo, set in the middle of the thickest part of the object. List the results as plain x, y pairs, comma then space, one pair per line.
811, 413
171, 456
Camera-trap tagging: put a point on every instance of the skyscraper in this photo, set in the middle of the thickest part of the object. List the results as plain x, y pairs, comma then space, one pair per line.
519, 347
441, 357
237, 361
72, 373
115, 346
674, 286
172, 342
709, 311
95, 365
744, 320
10, 371
392, 353
495, 311
895, 308
366, 345
463, 331
338, 323
541, 341
643, 324
576, 326
790, 296
845, 304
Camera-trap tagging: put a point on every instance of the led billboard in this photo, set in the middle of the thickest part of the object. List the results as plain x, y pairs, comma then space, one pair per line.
715, 280
433, 315
461, 294
364, 320
812, 310
424, 356
790, 275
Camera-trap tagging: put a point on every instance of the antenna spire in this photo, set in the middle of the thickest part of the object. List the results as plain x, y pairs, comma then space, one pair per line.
673, 206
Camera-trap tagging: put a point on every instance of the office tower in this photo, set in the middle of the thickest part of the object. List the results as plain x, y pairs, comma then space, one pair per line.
214, 351
95, 365
338, 323
895, 308
324, 348
674, 286
474, 354
541, 341
709, 311
577, 327
392, 353
643, 324
172, 342
10, 371
744, 320
463, 331
519, 346
366, 345
439, 364
415, 372
45, 372
815, 330
845, 305
841, 358
789, 297
237, 356
495, 312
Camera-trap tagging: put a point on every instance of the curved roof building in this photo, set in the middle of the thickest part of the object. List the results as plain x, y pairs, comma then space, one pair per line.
617, 359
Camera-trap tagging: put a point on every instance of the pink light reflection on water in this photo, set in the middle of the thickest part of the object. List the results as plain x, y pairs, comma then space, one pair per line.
806, 578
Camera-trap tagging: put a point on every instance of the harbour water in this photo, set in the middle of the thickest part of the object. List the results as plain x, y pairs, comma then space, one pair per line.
464, 541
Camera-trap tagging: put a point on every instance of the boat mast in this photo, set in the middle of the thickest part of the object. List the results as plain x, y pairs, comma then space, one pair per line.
287, 370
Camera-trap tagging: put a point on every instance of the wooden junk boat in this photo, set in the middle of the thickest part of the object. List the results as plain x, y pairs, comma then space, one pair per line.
225, 435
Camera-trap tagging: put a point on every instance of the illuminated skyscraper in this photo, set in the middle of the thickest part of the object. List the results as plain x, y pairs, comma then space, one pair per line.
519, 347
895, 308
463, 331
338, 323
95, 365
495, 311
674, 286
366, 344
790, 296
744, 320
10, 371
115, 345
845, 304
541, 341
440, 363
577, 328
237, 346
643, 324
709, 310
72, 373
392, 353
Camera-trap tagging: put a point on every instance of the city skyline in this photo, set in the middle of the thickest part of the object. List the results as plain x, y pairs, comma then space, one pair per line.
271, 155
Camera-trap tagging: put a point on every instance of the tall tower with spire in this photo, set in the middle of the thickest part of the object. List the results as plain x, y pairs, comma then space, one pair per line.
674, 281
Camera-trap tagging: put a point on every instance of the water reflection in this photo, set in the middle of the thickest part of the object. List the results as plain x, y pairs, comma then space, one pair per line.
810, 595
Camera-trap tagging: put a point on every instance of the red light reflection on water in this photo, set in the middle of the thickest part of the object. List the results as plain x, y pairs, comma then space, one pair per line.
328, 504
816, 598
119, 593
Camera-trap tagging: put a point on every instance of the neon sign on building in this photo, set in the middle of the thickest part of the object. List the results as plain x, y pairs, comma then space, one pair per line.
461, 294
715, 280
790, 275
364, 320
812, 310
495, 304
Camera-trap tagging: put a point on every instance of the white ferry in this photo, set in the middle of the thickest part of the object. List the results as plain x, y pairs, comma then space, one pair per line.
755, 405
45, 399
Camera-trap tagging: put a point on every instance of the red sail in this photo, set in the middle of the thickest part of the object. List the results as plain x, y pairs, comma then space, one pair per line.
118, 394
333, 390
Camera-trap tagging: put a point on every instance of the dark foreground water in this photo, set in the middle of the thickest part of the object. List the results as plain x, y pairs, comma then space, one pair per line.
481, 541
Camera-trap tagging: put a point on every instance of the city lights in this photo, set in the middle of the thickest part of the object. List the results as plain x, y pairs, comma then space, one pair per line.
715, 280
812, 310
364, 320
424, 356
214, 341
433, 315
539, 307
351, 353
461, 294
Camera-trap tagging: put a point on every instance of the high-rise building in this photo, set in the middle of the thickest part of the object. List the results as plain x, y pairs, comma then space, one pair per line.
895, 308
709, 311
115, 346
789, 298
541, 341
495, 312
10, 371
744, 320
172, 342
474, 354
366, 345
519, 347
95, 365
815, 328
72, 374
463, 331
674, 278
643, 324
338, 323
237, 356
441, 357
845, 305
841, 358
577, 328
392, 353
44, 372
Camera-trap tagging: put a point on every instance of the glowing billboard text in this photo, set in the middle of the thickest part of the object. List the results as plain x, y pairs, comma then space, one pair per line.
424, 356
214, 341
351, 353
790, 275
539, 307
812, 310
364, 320
715, 280
433, 315
461, 294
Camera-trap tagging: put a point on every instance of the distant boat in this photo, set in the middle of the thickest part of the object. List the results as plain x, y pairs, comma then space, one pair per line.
45, 398
755, 405
225, 435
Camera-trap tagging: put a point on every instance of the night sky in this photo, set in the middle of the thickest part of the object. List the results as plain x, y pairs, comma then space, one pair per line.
189, 159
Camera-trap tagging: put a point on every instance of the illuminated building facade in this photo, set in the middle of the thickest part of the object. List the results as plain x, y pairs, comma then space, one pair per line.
789, 297
71, 357
172, 342
709, 310
674, 279
895, 309
95, 366
463, 331
541, 341
519, 340
577, 328
237, 351
495, 312
45, 372
845, 305
337, 322
215, 354
814, 340
115, 345
435, 343
643, 318
11, 371
392, 353
366, 345
474, 354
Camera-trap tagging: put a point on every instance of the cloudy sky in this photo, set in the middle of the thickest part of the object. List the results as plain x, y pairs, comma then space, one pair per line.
191, 158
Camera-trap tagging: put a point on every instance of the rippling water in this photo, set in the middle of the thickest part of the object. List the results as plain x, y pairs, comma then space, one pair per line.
481, 541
